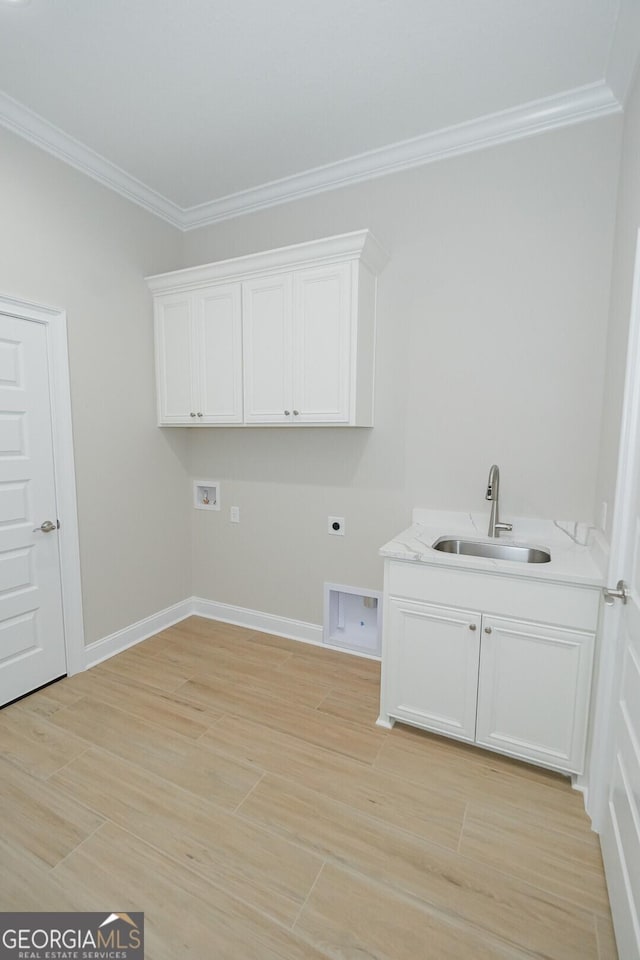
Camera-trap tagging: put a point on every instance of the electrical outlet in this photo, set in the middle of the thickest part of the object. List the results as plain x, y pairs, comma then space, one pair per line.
336, 526
234, 514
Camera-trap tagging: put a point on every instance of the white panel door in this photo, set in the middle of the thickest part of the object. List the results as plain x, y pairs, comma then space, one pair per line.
267, 322
533, 693
177, 399
433, 673
321, 344
218, 345
615, 781
32, 649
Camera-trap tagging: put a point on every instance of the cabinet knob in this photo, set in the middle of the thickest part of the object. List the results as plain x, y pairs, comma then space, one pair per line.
296, 413
472, 626
488, 630
192, 414
287, 413
199, 414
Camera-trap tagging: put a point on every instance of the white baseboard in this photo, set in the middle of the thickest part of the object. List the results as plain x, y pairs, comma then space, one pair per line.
256, 620
299, 630
107, 647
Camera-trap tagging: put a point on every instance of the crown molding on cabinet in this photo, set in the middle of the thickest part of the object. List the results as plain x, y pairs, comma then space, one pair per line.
574, 106
360, 243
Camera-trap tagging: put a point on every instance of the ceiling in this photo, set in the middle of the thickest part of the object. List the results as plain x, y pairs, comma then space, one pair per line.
201, 109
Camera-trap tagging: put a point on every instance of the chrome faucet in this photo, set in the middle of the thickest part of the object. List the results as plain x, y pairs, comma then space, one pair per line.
493, 493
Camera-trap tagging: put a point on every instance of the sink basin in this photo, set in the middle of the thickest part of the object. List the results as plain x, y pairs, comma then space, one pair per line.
493, 550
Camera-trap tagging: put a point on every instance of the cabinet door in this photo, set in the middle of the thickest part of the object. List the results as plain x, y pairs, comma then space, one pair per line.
321, 344
533, 693
218, 360
267, 308
433, 670
177, 399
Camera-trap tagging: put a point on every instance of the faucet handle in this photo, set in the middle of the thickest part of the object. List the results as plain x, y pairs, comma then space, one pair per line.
506, 527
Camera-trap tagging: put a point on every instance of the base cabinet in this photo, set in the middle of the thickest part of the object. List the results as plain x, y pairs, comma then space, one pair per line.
434, 670
510, 683
533, 691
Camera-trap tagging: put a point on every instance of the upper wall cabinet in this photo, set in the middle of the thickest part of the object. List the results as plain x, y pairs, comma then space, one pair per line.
281, 337
198, 355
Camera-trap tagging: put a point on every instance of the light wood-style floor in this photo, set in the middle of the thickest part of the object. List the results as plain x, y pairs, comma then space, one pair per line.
234, 786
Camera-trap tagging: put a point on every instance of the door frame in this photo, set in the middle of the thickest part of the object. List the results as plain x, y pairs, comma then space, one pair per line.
55, 321
610, 666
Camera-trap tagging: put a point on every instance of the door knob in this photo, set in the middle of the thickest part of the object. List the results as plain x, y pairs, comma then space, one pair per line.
620, 593
47, 527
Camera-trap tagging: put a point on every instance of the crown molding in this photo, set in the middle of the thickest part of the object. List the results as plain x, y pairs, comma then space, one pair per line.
34, 128
623, 52
538, 116
359, 244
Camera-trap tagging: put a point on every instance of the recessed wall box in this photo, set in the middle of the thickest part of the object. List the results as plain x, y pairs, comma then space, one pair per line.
352, 619
206, 494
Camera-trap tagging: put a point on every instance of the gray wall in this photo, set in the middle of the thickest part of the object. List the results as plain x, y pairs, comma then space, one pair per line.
492, 323
626, 231
492, 330
70, 243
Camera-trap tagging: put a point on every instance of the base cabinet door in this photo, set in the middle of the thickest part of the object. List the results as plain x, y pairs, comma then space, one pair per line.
433, 673
533, 691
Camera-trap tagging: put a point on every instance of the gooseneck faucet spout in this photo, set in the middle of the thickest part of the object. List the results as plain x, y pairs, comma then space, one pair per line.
493, 494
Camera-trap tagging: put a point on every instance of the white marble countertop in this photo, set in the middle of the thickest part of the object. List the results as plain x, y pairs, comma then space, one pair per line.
571, 561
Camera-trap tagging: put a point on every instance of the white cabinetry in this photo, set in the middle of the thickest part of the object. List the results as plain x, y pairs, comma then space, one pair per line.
268, 364
533, 691
508, 665
433, 673
323, 337
199, 356
175, 373
281, 337
298, 338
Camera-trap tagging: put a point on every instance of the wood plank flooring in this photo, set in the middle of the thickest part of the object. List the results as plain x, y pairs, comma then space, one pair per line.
234, 787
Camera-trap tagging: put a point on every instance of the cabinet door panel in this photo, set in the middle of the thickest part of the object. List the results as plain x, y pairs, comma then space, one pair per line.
174, 351
533, 692
267, 306
219, 353
433, 673
322, 299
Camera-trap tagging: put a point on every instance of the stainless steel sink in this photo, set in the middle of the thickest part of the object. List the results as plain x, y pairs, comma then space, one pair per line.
493, 550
